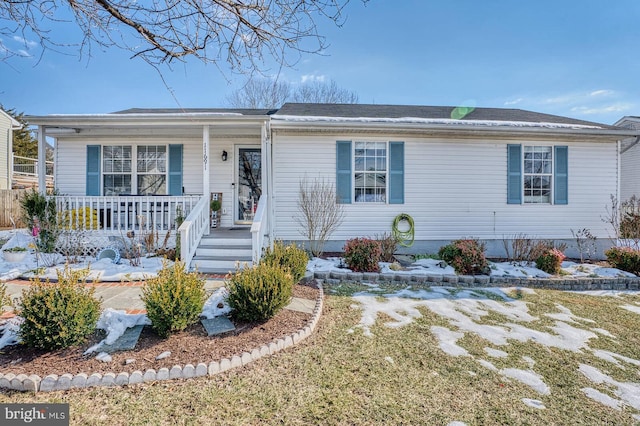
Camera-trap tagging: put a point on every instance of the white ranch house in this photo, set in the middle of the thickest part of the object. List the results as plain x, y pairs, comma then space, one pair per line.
484, 173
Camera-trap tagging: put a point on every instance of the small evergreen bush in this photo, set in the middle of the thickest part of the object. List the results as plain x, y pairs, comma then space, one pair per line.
291, 256
466, 256
58, 315
362, 254
550, 260
624, 258
258, 293
174, 299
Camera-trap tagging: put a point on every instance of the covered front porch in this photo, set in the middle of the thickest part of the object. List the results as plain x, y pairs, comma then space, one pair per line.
156, 170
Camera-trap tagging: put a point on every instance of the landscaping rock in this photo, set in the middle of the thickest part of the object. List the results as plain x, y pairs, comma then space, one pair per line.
126, 342
163, 355
217, 325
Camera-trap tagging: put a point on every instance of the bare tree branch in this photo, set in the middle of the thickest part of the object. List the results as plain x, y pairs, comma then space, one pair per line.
244, 34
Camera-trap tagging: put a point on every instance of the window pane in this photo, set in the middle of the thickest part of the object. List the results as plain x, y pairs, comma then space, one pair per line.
152, 184
117, 184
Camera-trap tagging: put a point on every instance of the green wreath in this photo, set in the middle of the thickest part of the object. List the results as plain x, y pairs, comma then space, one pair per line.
405, 238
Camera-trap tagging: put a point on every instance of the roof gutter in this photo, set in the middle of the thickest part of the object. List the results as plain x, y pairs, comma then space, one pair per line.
448, 128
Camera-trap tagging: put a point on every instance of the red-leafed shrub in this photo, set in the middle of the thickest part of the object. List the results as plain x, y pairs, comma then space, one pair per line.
466, 256
550, 260
624, 258
362, 254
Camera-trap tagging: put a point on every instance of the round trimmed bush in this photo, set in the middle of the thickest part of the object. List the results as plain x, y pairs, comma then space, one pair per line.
291, 256
363, 254
466, 256
260, 292
58, 315
174, 299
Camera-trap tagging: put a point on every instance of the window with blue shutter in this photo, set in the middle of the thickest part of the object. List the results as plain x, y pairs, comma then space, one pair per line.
343, 172
93, 170
536, 172
396, 172
175, 169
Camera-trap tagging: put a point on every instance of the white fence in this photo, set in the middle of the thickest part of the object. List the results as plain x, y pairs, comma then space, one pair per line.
192, 229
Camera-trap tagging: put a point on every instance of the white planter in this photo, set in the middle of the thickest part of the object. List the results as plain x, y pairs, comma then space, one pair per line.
14, 256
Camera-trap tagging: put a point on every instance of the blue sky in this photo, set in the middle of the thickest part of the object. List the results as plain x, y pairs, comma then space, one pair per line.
573, 58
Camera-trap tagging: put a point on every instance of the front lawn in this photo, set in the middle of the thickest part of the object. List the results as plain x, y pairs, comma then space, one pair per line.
408, 356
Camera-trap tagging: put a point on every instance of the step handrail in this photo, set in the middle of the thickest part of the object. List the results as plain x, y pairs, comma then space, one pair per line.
192, 229
259, 230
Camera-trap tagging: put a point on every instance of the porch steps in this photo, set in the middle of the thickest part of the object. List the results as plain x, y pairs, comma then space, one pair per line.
222, 250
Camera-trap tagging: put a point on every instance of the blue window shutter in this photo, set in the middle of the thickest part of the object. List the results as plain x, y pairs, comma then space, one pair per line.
175, 170
93, 170
561, 175
514, 174
396, 172
343, 171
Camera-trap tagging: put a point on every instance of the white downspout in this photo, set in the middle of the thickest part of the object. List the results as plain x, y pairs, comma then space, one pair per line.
42, 160
205, 169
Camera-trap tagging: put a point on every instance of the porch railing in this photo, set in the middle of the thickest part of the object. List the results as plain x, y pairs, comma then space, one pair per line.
259, 230
123, 213
193, 228
29, 166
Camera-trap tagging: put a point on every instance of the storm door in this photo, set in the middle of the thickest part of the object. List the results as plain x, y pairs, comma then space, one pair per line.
249, 186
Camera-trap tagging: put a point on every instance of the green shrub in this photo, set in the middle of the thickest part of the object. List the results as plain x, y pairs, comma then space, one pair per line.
466, 256
258, 293
39, 214
58, 315
174, 299
5, 300
388, 245
291, 256
624, 258
362, 254
550, 261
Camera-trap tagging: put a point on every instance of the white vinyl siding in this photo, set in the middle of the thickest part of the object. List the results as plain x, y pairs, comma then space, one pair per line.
453, 189
71, 161
5, 135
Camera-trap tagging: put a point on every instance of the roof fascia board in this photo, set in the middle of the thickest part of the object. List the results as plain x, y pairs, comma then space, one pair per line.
189, 119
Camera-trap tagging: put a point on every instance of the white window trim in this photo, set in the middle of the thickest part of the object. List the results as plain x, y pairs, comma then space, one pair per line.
354, 171
551, 175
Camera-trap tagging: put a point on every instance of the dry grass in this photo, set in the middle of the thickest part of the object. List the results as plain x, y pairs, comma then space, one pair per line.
398, 376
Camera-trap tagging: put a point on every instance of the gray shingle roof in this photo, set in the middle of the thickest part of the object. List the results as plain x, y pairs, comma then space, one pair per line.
427, 112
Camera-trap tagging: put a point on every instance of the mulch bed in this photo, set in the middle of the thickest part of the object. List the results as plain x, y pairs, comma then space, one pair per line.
190, 346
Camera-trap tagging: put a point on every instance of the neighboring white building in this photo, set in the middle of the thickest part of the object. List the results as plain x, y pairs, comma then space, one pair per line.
485, 173
7, 125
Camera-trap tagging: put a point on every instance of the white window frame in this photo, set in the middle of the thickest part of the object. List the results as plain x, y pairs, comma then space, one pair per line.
365, 172
531, 199
134, 173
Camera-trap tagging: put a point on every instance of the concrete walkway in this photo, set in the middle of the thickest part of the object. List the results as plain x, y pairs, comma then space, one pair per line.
126, 296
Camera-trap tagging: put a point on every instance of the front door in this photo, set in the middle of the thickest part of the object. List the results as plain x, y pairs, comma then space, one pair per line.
249, 187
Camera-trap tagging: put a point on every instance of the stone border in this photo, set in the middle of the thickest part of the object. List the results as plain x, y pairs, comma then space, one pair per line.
554, 283
53, 382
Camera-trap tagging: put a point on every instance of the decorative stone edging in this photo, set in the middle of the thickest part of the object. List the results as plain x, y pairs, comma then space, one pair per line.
53, 382
559, 283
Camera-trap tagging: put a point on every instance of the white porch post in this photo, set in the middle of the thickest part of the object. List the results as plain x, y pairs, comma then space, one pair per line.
42, 161
205, 168
267, 180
